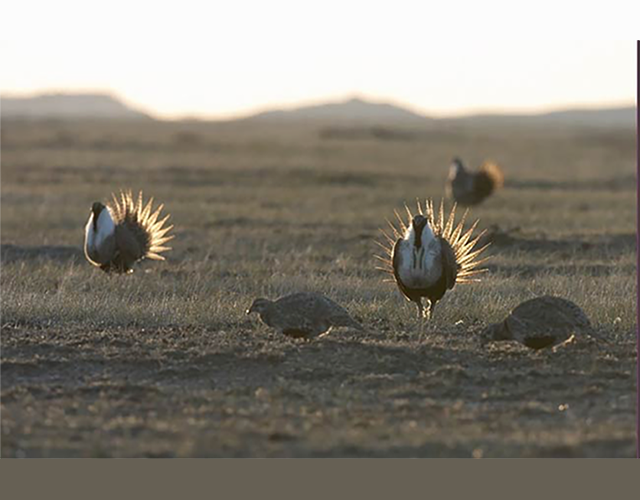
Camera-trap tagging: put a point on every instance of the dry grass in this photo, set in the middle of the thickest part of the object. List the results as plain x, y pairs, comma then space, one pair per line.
263, 211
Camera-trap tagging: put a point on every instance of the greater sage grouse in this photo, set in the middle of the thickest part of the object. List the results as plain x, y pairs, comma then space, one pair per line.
470, 188
428, 256
302, 315
123, 232
542, 322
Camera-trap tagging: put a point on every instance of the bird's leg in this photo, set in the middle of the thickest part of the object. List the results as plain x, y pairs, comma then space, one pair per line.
426, 315
567, 342
432, 306
421, 314
420, 307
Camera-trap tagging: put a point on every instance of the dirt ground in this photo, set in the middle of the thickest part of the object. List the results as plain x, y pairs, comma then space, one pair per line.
198, 392
165, 363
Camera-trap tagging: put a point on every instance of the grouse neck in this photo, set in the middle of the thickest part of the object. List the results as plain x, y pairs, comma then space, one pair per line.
421, 235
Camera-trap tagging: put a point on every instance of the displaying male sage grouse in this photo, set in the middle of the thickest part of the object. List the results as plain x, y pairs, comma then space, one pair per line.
470, 188
428, 256
123, 232
542, 322
302, 315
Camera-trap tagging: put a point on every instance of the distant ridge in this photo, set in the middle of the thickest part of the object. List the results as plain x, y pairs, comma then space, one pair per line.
68, 107
623, 116
361, 111
351, 110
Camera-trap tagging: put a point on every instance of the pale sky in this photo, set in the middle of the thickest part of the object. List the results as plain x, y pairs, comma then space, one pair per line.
222, 59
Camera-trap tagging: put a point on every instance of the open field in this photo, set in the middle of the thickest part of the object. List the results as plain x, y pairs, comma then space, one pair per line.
164, 362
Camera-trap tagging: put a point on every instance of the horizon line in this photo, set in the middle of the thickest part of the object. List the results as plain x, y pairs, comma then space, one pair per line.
335, 99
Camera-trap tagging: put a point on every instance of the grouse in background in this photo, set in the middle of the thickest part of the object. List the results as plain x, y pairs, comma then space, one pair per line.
470, 188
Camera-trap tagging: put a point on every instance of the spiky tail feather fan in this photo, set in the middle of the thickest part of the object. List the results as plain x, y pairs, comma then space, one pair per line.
494, 173
139, 219
463, 242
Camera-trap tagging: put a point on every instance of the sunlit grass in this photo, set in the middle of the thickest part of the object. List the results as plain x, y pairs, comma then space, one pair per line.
166, 361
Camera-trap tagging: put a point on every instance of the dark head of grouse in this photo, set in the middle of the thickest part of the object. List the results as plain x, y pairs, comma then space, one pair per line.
470, 188
123, 232
428, 255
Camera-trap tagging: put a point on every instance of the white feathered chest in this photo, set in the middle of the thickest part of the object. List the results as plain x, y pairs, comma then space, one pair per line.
97, 234
419, 266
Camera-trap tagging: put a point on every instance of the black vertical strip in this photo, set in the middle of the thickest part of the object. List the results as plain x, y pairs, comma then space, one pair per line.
418, 236
96, 214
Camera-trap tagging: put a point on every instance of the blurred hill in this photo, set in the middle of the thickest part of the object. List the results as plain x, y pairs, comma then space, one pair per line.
361, 111
68, 106
352, 110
